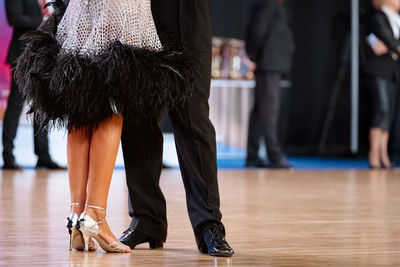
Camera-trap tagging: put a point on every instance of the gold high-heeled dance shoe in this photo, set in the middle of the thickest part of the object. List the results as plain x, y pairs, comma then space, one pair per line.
90, 229
75, 236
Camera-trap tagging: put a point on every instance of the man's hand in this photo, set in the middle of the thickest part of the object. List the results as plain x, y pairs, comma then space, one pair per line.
380, 48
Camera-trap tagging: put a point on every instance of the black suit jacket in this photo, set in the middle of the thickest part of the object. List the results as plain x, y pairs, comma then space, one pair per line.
385, 66
269, 39
187, 20
23, 16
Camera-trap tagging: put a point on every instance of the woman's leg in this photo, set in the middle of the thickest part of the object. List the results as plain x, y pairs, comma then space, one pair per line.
374, 147
384, 149
378, 89
78, 143
103, 152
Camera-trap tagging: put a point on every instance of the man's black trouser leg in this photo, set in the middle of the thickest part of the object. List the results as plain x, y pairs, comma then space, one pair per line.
195, 142
194, 133
41, 142
142, 146
10, 126
253, 138
196, 147
264, 116
10, 123
267, 106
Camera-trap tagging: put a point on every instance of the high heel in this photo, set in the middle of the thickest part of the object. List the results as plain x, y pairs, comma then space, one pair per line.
90, 229
75, 236
71, 225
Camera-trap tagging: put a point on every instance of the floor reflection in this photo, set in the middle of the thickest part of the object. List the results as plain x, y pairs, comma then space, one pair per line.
272, 218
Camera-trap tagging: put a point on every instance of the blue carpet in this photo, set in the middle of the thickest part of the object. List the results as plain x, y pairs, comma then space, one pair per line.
298, 163
234, 158
304, 163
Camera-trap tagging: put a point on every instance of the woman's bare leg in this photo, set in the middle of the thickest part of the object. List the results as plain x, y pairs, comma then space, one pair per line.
374, 147
78, 143
384, 149
103, 152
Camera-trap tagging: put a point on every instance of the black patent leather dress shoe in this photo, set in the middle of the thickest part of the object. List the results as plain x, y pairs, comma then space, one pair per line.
165, 166
132, 238
280, 164
213, 242
12, 166
255, 163
49, 165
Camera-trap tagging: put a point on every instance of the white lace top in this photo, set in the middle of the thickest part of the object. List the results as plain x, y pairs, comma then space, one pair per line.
90, 26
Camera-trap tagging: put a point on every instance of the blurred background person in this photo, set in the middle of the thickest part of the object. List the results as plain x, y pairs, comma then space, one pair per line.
269, 43
23, 16
383, 77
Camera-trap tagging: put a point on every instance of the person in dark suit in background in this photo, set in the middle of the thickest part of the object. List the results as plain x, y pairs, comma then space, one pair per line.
383, 77
269, 43
23, 16
188, 21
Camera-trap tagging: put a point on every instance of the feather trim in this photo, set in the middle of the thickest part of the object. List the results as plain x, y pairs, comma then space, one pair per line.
76, 91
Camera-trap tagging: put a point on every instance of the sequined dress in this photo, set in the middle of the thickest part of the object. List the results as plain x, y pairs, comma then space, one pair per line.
94, 59
90, 26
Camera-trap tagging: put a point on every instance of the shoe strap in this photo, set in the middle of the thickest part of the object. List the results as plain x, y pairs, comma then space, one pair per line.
84, 217
95, 207
99, 222
112, 244
116, 245
76, 204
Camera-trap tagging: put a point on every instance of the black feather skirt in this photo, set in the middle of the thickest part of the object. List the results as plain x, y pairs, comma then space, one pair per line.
75, 91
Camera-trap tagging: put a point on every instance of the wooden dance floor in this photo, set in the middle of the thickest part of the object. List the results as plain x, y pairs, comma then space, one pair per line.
273, 218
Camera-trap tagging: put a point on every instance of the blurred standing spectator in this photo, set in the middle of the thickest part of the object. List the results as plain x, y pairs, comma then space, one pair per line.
23, 16
383, 77
269, 43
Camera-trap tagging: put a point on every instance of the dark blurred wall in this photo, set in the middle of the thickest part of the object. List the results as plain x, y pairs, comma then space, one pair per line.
319, 34
320, 29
